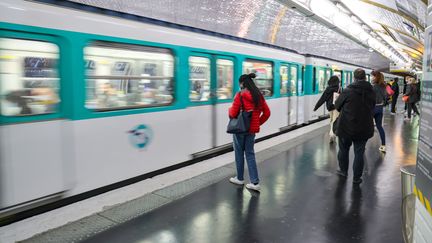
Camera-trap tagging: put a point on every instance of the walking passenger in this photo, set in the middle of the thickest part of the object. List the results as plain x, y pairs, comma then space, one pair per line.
395, 87
254, 101
414, 96
379, 87
333, 86
355, 123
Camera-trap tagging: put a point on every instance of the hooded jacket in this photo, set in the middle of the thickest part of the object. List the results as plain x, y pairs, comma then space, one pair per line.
327, 96
356, 104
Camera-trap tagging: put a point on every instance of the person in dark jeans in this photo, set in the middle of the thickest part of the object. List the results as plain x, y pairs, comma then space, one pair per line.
414, 97
355, 123
395, 87
254, 101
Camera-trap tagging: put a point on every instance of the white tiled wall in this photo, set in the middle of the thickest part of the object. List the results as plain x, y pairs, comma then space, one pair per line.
422, 224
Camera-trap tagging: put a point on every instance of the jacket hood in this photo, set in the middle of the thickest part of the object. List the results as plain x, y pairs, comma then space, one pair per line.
361, 87
332, 82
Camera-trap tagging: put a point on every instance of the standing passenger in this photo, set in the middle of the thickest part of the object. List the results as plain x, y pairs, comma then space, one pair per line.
379, 87
413, 92
355, 124
327, 96
254, 101
395, 87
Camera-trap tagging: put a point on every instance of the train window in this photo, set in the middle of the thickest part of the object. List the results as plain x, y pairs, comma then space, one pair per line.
225, 77
199, 77
338, 74
29, 77
321, 80
345, 79
264, 75
293, 80
121, 76
284, 80
300, 81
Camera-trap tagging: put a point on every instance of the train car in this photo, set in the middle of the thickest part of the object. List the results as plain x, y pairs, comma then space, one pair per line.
90, 101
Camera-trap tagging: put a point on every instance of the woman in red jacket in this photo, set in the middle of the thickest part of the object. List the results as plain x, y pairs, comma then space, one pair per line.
254, 101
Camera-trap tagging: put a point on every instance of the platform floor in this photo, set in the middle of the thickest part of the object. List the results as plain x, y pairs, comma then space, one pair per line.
301, 200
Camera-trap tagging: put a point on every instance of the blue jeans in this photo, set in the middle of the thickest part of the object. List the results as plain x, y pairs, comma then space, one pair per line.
343, 155
378, 116
244, 145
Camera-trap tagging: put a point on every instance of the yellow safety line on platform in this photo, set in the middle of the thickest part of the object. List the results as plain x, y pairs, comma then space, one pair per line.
420, 196
428, 206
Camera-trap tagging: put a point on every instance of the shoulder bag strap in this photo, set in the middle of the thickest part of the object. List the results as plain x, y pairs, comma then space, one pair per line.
241, 101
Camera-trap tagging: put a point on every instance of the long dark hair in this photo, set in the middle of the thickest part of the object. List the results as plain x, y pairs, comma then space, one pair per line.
379, 78
248, 83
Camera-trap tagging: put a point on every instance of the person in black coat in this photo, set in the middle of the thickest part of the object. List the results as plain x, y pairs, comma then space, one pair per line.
395, 87
355, 124
413, 91
333, 86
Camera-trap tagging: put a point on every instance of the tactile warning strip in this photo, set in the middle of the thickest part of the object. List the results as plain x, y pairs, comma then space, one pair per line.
96, 223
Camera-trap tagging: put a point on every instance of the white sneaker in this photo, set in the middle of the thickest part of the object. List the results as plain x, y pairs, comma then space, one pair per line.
382, 148
236, 181
253, 187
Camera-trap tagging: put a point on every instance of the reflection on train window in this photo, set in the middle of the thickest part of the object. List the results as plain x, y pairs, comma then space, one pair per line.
321, 80
225, 78
121, 76
199, 77
29, 77
345, 79
264, 75
284, 80
338, 74
293, 80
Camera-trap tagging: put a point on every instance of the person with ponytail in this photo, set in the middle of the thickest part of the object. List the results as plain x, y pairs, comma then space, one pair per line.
253, 101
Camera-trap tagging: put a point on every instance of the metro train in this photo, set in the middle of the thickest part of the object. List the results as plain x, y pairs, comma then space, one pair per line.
90, 100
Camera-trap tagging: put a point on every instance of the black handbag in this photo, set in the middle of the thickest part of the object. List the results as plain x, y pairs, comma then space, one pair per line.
241, 124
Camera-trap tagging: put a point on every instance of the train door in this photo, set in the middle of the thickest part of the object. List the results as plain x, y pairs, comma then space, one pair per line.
327, 77
288, 77
211, 83
321, 83
293, 95
223, 90
300, 97
32, 168
344, 79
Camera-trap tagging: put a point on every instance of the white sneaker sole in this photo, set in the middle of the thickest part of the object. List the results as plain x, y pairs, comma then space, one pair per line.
240, 183
253, 188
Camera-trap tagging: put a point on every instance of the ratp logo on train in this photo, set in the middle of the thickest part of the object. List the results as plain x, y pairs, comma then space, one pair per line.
140, 136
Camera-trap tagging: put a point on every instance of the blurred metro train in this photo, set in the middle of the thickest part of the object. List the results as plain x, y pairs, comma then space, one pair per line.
90, 101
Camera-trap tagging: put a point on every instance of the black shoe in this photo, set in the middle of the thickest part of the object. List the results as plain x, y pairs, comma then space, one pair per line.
341, 173
357, 180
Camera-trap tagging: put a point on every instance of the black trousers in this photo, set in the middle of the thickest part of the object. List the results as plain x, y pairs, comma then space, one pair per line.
412, 106
393, 103
343, 155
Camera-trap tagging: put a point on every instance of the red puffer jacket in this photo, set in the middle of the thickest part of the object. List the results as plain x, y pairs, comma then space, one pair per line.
259, 115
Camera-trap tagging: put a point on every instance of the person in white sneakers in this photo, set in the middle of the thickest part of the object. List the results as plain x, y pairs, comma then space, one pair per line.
330, 93
379, 87
251, 99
